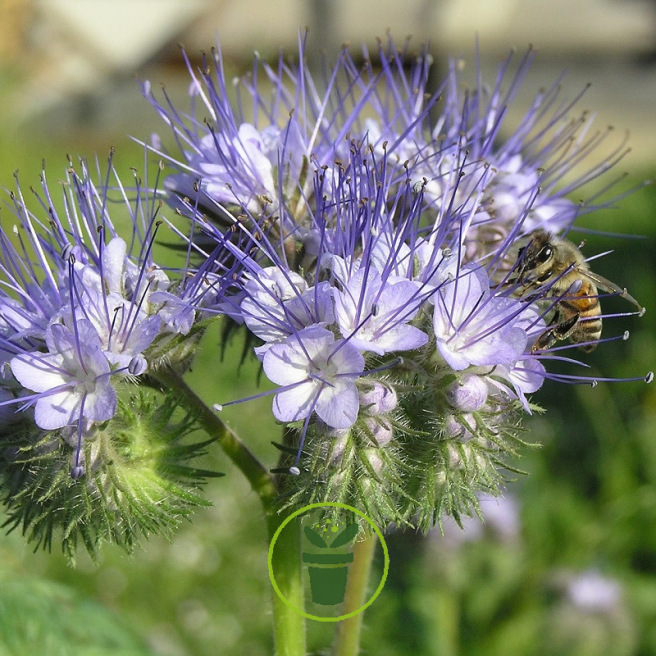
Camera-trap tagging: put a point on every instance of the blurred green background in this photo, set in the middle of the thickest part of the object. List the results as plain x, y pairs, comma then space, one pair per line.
575, 576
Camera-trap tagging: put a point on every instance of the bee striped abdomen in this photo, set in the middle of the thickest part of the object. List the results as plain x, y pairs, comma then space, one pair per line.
585, 303
587, 307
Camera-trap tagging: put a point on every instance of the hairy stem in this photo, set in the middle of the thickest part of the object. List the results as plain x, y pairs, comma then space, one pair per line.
347, 641
289, 626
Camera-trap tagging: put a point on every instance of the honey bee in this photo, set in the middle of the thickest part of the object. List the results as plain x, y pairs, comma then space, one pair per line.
555, 268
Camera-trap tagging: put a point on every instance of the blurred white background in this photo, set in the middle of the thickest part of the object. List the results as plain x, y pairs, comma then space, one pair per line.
73, 62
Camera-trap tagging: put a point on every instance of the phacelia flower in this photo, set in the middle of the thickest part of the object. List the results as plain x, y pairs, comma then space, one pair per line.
474, 327
318, 374
73, 377
86, 315
376, 316
77, 311
595, 601
372, 225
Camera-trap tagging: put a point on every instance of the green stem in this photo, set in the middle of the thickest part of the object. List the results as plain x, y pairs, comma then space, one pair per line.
347, 642
255, 472
289, 626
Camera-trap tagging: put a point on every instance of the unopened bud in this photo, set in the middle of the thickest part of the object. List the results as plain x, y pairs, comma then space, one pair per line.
380, 430
378, 399
468, 394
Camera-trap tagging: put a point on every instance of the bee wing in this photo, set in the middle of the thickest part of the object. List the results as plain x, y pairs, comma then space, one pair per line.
606, 285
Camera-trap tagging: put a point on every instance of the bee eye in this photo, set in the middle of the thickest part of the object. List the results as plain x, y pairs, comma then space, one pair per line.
545, 276
544, 254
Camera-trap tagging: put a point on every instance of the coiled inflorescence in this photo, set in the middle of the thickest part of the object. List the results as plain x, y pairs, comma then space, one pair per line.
373, 257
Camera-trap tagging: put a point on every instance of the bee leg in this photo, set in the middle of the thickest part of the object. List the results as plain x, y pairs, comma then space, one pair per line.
556, 331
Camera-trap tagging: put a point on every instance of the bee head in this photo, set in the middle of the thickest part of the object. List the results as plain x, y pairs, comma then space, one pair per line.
534, 259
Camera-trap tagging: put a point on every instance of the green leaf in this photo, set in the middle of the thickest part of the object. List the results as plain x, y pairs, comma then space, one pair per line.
345, 536
314, 538
39, 616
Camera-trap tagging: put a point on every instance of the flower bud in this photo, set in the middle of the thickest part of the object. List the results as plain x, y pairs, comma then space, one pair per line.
375, 460
468, 394
339, 439
380, 430
378, 399
458, 427
127, 479
458, 455
452, 427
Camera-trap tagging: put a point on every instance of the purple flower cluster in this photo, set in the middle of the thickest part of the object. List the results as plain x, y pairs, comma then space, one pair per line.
363, 231
374, 249
81, 310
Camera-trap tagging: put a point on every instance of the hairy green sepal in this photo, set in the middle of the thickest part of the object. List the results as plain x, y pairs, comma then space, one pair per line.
138, 478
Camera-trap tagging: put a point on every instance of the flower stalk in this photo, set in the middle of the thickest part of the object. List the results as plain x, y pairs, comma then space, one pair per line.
347, 638
241, 456
288, 624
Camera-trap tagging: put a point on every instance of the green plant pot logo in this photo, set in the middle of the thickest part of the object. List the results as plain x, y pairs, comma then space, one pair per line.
327, 554
328, 569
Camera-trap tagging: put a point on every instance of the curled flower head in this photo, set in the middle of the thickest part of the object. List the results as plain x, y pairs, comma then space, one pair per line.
76, 309
373, 229
85, 314
80, 315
